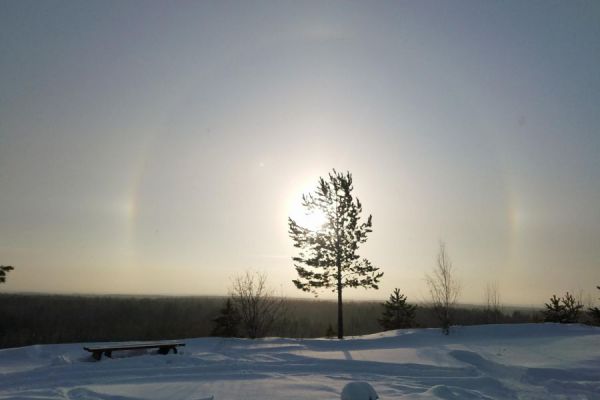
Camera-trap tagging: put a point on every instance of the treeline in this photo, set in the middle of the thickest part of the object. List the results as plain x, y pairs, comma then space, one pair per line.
27, 319
39, 319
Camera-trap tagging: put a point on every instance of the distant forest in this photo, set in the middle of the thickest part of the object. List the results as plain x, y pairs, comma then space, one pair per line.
27, 319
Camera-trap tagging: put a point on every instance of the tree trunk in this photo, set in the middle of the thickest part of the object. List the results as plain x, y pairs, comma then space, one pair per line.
340, 309
338, 261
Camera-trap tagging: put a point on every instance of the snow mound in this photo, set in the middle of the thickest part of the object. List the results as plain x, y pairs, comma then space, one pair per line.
359, 391
60, 359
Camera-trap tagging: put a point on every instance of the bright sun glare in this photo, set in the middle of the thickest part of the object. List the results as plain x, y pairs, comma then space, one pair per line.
313, 221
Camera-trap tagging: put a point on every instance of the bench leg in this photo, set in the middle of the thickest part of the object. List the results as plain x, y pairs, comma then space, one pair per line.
97, 355
108, 353
167, 349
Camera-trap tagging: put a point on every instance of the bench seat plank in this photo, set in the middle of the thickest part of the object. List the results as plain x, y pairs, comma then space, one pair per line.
130, 346
163, 347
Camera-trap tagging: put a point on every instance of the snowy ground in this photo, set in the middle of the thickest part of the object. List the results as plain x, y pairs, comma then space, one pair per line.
532, 361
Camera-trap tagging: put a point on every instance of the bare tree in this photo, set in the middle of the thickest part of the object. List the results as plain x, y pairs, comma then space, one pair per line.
493, 309
443, 288
585, 298
257, 305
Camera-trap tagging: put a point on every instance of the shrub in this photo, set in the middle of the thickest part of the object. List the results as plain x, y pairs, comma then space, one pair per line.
563, 310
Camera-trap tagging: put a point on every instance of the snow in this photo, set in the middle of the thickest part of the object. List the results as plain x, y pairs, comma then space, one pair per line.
528, 361
359, 391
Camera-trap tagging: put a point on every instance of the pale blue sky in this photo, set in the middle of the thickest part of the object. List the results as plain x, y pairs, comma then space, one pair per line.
158, 147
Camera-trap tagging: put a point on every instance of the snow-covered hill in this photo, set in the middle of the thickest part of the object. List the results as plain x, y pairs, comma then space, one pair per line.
531, 361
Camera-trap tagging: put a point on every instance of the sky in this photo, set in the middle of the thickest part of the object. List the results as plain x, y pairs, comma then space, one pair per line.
159, 147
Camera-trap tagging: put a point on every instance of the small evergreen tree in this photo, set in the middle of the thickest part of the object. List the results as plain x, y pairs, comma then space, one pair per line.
227, 323
594, 312
397, 313
554, 310
4, 269
330, 333
563, 310
572, 309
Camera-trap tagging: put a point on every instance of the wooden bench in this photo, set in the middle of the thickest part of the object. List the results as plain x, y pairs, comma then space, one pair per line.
163, 348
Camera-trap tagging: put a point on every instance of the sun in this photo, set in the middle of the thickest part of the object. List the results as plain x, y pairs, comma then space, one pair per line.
313, 220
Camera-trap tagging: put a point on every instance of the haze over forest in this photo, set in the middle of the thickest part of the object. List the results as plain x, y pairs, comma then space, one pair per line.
158, 148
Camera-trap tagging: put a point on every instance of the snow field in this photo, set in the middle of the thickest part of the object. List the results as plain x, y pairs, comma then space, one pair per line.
529, 361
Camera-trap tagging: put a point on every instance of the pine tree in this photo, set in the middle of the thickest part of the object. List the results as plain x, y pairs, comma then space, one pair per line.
4, 269
227, 323
595, 312
572, 309
330, 332
554, 310
328, 257
397, 313
564, 310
